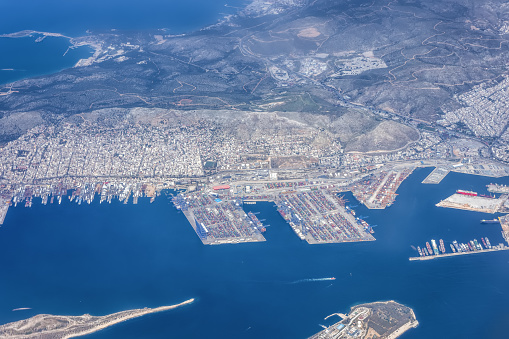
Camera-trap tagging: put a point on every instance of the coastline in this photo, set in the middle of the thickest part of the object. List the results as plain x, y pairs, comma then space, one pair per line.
75, 326
117, 321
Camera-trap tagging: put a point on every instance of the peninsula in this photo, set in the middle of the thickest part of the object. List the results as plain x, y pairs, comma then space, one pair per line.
45, 326
384, 320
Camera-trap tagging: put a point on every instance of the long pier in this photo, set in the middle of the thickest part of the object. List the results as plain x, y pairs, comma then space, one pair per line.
436, 176
430, 257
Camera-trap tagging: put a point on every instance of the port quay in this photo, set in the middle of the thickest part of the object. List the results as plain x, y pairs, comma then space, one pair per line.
468, 200
430, 257
316, 213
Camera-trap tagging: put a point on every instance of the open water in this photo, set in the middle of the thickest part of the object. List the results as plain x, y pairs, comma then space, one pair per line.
104, 258
23, 58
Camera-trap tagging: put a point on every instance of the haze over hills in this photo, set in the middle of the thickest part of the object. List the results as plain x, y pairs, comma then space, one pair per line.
375, 59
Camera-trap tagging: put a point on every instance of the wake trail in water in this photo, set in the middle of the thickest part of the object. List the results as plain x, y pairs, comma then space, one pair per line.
312, 280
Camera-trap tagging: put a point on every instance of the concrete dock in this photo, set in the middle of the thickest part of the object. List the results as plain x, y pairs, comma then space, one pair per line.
3, 211
436, 176
430, 257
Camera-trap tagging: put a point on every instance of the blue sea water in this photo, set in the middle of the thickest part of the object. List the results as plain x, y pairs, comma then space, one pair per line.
104, 258
74, 18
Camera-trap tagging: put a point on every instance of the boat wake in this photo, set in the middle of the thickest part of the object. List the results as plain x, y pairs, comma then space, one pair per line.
312, 280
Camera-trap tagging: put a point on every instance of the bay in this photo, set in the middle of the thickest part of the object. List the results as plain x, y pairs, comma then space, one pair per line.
104, 258
22, 58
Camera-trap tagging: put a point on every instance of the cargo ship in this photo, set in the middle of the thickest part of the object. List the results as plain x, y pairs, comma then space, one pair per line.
429, 248
442, 247
484, 242
452, 248
477, 245
487, 242
283, 214
256, 222
494, 221
470, 193
434, 245
419, 250
455, 243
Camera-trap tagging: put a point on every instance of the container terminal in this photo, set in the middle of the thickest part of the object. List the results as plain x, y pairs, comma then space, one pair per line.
315, 212
378, 191
321, 216
219, 222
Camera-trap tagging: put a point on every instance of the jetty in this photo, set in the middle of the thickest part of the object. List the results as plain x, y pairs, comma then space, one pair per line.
430, 257
436, 176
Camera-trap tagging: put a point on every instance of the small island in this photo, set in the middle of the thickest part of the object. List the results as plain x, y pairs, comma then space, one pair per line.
386, 319
62, 327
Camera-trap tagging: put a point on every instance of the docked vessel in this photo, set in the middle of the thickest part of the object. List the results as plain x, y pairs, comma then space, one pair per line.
452, 248
470, 193
494, 221
434, 245
442, 247
429, 248
419, 250
488, 242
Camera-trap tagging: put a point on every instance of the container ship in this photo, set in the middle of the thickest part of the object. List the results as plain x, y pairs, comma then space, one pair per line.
470, 193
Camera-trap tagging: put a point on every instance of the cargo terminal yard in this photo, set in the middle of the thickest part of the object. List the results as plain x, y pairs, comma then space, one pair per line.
320, 216
314, 211
219, 222
378, 191
471, 201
